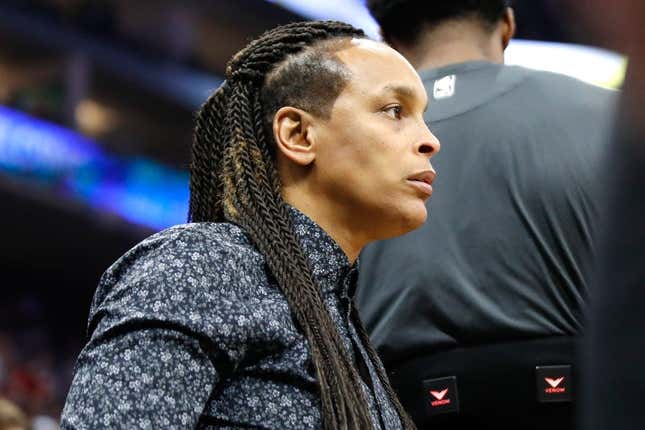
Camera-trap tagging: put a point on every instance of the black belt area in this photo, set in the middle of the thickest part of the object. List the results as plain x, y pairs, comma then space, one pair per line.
493, 386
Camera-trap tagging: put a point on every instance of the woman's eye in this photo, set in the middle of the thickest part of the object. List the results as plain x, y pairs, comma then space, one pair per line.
394, 111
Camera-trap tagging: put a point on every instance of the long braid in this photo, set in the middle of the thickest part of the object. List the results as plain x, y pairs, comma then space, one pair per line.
234, 178
275, 239
371, 352
205, 182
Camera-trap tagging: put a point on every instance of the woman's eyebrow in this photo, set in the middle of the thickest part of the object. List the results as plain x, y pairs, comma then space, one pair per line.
403, 91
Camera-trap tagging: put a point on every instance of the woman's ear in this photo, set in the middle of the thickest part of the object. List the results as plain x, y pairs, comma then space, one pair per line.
291, 131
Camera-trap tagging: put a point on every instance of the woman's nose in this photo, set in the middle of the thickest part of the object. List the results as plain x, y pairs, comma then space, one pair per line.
429, 145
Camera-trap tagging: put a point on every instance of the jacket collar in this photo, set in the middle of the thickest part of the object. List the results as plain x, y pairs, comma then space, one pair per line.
329, 265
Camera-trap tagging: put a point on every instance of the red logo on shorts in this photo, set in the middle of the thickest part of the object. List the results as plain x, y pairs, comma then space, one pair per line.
554, 385
439, 395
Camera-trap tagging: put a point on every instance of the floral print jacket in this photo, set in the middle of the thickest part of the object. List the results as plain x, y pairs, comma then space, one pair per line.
189, 330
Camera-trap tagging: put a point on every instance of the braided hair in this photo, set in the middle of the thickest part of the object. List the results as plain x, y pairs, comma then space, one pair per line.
234, 178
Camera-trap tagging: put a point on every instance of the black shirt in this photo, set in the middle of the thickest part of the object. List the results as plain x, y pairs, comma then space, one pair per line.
506, 252
189, 330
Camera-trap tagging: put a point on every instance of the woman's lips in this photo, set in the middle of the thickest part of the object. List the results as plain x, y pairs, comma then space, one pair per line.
424, 187
423, 181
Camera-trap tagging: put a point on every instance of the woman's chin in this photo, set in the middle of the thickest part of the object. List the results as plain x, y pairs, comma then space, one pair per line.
416, 218
408, 219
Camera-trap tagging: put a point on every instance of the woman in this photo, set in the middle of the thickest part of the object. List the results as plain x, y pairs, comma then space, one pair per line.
314, 146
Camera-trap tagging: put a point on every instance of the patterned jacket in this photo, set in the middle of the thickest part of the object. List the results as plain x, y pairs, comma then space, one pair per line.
189, 330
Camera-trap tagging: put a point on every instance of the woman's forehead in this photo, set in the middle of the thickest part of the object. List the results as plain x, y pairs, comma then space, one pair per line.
375, 65
367, 50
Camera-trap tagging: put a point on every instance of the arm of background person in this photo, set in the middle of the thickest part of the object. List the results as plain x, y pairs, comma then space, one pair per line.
613, 381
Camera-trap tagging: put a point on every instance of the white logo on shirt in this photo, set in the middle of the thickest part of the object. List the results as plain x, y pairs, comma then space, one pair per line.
444, 87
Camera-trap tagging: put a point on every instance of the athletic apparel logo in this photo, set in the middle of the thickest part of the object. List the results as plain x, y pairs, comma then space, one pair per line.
439, 396
554, 382
554, 385
444, 87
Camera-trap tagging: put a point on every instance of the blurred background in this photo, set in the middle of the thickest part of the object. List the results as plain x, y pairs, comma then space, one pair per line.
96, 107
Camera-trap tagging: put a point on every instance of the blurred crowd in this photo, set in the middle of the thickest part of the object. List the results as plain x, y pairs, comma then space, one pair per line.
35, 371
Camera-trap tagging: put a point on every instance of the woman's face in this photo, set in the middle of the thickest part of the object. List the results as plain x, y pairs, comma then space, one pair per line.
372, 161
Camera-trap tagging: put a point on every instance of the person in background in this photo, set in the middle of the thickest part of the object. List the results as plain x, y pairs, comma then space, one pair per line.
313, 147
614, 381
477, 315
11, 417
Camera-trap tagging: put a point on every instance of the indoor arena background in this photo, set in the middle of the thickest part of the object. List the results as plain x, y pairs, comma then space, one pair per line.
96, 109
